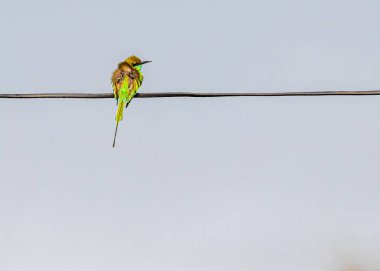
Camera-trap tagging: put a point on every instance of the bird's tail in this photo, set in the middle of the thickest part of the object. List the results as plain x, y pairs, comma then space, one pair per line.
114, 138
120, 111
119, 117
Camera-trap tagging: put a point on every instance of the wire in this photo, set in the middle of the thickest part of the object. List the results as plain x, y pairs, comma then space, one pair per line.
187, 94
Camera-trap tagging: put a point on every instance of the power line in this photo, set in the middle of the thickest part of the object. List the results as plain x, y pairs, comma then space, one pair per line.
187, 94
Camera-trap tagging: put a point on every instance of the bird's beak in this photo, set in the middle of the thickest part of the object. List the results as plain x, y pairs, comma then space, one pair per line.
143, 62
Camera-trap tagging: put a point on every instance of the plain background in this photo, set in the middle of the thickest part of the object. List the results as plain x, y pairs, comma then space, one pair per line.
244, 184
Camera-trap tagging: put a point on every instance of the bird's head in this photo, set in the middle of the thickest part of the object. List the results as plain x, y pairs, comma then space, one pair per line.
136, 62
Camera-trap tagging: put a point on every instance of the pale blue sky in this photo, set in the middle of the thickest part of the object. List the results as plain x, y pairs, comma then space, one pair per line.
236, 184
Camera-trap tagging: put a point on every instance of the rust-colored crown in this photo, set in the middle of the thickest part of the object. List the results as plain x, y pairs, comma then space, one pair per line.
133, 61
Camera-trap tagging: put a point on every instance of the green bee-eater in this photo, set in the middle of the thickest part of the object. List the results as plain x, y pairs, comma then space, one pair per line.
126, 80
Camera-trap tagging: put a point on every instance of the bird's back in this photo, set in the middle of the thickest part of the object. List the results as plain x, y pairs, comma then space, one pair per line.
126, 80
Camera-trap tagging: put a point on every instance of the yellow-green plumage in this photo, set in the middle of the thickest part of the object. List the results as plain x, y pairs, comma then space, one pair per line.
126, 80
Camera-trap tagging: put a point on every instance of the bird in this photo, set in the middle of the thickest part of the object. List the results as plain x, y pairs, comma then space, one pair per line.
126, 80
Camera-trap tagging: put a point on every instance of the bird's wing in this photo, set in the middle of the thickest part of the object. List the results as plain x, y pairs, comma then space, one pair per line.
117, 79
135, 81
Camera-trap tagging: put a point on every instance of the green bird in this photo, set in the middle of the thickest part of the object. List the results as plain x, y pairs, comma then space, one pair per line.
126, 80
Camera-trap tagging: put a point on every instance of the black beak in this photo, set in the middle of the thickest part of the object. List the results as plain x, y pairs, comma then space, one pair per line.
142, 63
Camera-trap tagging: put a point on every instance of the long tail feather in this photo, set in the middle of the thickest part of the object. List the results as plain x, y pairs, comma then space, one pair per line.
120, 110
119, 117
114, 137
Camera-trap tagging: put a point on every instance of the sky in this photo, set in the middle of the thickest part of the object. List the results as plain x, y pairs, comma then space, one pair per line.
258, 183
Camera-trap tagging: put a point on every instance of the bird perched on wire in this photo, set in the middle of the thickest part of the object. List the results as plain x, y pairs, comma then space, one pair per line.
126, 80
